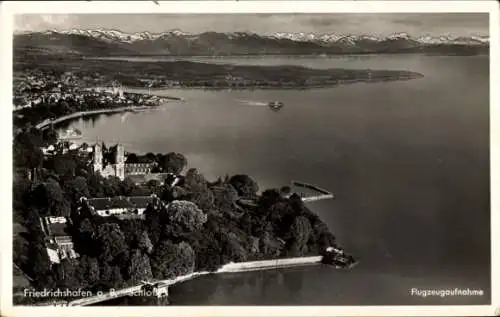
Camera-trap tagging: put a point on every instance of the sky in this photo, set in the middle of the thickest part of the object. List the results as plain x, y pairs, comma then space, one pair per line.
416, 24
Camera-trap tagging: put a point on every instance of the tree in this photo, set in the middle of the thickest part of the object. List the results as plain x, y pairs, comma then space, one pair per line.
154, 186
244, 185
26, 151
224, 196
297, 203
20, 250
203, 198
85, 238
35, 234
173, 163
145, 244
151, 157
186, 258
194, 178
110, 276
162, 260
285, 190
269, 245
127, 187
281, 216
64, 166
38, 262
170, 260
186, 215
153, 224
49, 135
113, 243
77, 188
232, 250
140, 267
132, 159
132, 230
20, 193
49, 196
66, 274
112, 186
96, 185
300, 232
268, 198
88, 271
207, 247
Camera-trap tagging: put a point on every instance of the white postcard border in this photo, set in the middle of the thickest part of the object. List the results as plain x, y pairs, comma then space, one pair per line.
8, 9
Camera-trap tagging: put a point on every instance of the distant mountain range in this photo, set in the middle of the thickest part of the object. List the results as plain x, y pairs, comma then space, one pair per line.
102, 42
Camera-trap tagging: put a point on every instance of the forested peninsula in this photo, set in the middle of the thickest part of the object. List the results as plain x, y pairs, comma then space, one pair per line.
196, 225
190, 74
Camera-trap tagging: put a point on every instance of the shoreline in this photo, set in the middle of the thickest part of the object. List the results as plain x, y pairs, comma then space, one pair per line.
282, 87
232, 267
82, 114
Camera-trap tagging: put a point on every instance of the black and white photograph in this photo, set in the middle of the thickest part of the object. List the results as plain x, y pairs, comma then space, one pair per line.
249, 158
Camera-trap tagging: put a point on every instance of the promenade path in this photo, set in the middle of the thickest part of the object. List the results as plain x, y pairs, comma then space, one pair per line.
46, 123
227, 268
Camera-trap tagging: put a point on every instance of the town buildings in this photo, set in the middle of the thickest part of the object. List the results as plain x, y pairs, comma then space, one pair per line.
59, 243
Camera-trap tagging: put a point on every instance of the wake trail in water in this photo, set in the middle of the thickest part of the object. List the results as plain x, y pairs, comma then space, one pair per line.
251, 103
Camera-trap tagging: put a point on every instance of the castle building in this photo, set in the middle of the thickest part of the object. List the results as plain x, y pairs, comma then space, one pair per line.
112, 163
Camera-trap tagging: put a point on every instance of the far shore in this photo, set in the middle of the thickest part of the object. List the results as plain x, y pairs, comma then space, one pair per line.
281, 87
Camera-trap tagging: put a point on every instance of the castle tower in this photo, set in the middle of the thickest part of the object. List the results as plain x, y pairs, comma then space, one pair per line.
97, 158
120, 161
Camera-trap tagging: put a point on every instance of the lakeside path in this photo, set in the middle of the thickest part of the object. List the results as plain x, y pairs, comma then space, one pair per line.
79, 114
227, 268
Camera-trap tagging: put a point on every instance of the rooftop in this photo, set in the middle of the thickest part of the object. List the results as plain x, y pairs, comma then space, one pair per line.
56, 226
120, 202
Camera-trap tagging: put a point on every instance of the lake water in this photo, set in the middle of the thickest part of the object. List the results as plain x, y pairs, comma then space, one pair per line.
408, 162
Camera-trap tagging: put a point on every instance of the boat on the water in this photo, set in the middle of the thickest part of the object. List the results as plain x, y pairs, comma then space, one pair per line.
338, 258
276, 105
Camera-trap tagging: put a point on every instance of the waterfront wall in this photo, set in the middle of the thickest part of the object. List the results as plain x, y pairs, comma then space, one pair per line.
268, 264
75, 115
227, 268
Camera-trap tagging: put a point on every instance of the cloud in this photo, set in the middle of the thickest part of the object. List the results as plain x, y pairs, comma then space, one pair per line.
408, 22
322, 21
266, 23
42, 21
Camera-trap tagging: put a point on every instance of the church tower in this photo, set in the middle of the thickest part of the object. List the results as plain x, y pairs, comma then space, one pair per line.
120, 162
97, 158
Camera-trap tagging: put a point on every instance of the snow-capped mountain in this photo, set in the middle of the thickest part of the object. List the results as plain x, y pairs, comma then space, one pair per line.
353, 39
115, 36
175, 42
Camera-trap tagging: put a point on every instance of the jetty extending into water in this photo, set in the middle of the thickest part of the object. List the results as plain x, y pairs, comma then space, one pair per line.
323, 193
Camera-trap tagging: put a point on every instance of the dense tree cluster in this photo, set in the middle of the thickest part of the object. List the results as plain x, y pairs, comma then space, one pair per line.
199, 225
